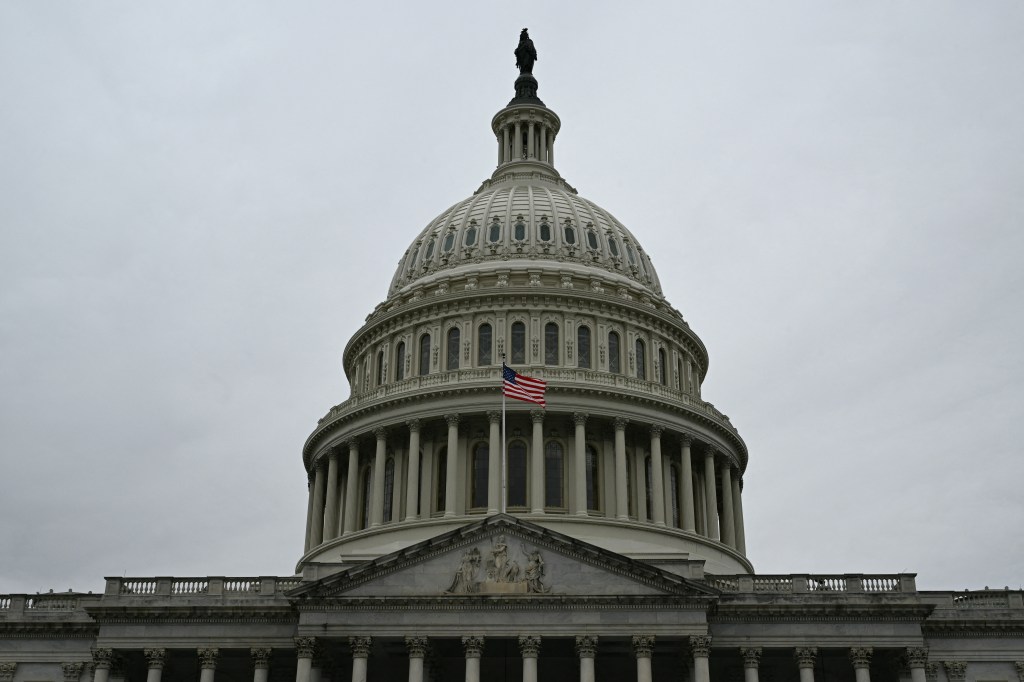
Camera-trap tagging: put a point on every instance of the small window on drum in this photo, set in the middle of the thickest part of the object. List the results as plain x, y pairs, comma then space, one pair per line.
449, 241
424, 355
483, 344
613, 246
641, 360
592, 239
400, 362
453, 348
570, 233
551, 344
519, 230
430, 249
518, 343
662, 367
470, 239
545, 230
613, 353
583, 347
494, 232
516, 462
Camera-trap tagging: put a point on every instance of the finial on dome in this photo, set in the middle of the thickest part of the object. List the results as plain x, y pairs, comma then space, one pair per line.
526, 84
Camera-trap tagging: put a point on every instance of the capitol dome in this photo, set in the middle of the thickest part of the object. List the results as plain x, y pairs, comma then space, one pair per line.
626, 454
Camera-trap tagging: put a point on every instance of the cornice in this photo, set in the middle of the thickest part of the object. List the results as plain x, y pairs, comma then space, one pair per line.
48, 630
821, 612
518, 603
168, 612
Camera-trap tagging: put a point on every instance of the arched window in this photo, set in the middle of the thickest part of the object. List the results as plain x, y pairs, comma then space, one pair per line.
380, 368
494, 232
367, 492
641, 360
470, 239
673, 475
440, 487
613, 353
478, 476
551, 344
583, 347
424, 355
553, 461
593, 479
662, 367
400, 361
483, 345
518, 343
649, 487
453, 348
389, 487
680, 381
516, 485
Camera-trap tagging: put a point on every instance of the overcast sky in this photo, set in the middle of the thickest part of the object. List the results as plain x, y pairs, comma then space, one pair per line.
201, 202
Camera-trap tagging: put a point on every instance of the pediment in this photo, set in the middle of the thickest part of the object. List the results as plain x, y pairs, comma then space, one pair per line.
502, 556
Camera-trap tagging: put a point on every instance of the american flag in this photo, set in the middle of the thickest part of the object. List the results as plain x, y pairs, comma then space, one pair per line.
520, 387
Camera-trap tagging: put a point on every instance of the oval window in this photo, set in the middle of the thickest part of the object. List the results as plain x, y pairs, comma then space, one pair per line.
449, 242
494, 234
545, 231
519, 232
430, 249
613, 246
570, 234
631, 254
471, 236
592, 239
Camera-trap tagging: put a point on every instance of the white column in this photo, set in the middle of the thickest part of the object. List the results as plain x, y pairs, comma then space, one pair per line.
351, 486
917, 659
751, 661
331, 509
377, 503
360, 650
621, 492
737, 503
586, 649
517, 143
580, 461
710, 496
537, 463
102, 659
505, 146
861, 659
728, 513
474, 645
452, 465
529, 645
207, 664
657, 478
304, 648
309, 512
260, 663
417, 651
640, 481
643, 648
805, 661
316, 535
412, 488
551, 149
544, 143
686, 486
701, 647
154, 663
530, 137
494, 463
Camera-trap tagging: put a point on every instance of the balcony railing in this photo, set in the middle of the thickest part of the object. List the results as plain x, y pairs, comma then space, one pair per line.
806, 583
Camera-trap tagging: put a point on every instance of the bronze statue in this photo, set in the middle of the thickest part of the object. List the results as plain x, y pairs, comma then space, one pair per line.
526, 53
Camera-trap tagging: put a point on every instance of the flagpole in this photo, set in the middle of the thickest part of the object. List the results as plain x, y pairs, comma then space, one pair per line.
503, 440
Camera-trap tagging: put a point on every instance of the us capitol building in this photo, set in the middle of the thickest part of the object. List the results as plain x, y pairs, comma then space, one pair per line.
612, 549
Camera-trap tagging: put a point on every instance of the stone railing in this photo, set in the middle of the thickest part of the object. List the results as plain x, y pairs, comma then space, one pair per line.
210, 586
41, 605
852, 583
981, 599
491, 376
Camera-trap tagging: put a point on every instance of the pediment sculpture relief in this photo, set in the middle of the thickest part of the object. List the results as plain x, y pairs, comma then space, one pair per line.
500, 572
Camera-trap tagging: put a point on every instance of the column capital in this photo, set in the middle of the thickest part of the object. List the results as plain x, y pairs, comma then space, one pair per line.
305, 647
155, 658
72, 671
353, 444
260, 657
413, 425
620, 423
657, 430
537, 416
917, 656
452, 419
586, 646
380, 433
643, 646
956, 671
710, 451
474, 645
417, 646
360, 646
580, 418
333, 453
700, 645
208, 658
102, 657
7, 671
805, 656
860, 656
751, 656
529, 645
493, 416
686, 440
1019, 665
931, 672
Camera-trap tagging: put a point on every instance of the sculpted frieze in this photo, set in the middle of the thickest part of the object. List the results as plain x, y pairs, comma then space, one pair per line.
499, 569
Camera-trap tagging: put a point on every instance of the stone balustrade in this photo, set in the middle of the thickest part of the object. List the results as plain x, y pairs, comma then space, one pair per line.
852, 583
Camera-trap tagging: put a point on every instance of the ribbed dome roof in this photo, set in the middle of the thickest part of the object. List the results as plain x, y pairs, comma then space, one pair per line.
520, 223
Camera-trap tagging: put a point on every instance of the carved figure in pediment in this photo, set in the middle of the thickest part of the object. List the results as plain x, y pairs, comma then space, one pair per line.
500, 568
465, 580
535, 572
